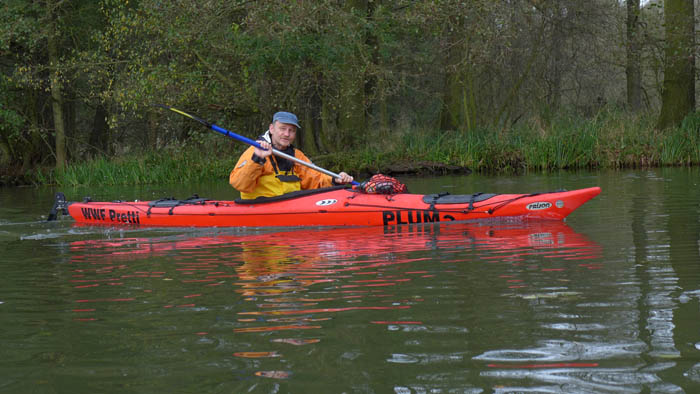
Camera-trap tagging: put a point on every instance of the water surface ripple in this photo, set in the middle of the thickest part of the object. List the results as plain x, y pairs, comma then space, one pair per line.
606, 302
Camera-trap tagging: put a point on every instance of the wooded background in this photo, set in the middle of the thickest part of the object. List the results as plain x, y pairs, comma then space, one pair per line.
80, 77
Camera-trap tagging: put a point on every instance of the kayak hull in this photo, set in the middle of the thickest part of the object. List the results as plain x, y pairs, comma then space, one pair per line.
333, 207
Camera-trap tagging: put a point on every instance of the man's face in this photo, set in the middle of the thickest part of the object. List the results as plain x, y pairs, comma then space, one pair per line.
282, 134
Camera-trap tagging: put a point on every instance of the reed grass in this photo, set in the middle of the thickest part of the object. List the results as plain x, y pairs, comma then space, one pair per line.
611, 139
188, 165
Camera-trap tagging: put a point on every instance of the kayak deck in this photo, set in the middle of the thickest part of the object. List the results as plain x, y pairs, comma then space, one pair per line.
336, 206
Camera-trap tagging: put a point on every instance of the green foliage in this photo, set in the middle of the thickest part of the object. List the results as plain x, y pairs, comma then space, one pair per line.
19, 24
10, 120
613, 139
681, 145
166, 166
447, 81
10, 123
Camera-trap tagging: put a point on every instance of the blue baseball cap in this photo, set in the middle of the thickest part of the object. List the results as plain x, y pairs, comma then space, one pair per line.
286, 117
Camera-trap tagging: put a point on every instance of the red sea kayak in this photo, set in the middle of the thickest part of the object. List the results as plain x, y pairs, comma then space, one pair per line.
337, 206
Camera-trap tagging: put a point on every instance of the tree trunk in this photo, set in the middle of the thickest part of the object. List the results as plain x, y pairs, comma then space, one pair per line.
35, 148
351, 120
308, 138
55, 83
458, 101
374, 86
449, 113
557, 57
384, 124
329, 128
151, 140
317, 121
678, 96
5, 155
99, 135
633, 69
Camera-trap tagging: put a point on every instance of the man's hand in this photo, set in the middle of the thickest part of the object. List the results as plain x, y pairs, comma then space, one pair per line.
343, 178
263, 153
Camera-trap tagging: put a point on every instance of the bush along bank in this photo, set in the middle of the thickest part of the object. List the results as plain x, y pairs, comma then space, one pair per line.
182, 166
608, 140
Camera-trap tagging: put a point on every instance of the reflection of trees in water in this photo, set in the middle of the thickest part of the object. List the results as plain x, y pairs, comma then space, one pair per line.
651, 313
665, 237
684, 254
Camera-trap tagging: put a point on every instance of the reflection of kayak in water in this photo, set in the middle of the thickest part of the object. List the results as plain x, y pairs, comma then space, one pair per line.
328, 207
294, 281
286, 262
344, 242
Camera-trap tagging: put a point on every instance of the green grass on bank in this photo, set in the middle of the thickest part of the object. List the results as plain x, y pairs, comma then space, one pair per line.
608, 140
188, 165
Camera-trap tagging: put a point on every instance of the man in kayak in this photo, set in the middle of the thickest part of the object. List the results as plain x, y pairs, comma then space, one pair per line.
259, 173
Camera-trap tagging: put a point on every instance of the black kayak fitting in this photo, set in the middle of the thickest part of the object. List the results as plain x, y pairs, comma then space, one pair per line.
60, 205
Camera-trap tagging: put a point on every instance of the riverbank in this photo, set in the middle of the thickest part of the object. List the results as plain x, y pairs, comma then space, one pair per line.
607, 140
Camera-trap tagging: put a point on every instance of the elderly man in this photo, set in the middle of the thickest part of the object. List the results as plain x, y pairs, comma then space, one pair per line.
259, 173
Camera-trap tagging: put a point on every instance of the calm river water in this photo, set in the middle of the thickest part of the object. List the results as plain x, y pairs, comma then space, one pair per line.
608, 301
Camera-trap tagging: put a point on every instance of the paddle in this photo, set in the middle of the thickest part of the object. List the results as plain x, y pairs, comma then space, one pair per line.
253, 143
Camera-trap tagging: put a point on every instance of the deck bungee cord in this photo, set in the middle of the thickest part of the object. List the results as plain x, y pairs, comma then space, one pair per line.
470, 209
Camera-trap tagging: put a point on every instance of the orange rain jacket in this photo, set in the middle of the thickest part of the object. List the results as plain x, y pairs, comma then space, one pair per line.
255, 180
